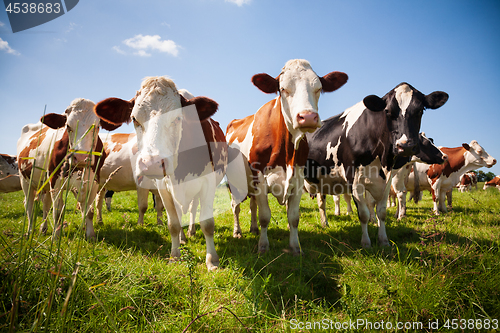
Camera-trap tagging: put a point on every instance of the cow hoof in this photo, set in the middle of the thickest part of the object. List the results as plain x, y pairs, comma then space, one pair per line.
255, 231
43, 230
191, 232
325, 225
366, 244
212, 262
159, 222
237, 234
263, 248
384, 242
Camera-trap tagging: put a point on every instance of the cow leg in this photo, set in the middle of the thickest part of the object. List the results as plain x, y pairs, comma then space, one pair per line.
449, 198
381, 216
254, 228
322, 208
264, 219
107, 197
86, 200
442, 201
435, 196
363, 214
193, 208
236, 215
174, 225
29, 200
401, 208
207, 226
370, 202
98, 205
347, 198
57, 206
159, 208
142, 203
293, 214
46, 203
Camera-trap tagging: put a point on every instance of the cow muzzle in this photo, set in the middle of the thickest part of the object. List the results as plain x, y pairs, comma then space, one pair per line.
407, 149
79, 161
152, 166
308, 120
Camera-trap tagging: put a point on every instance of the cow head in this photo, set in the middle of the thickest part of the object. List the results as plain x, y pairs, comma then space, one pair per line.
478, 156
404, 107
299, 88
160, 116
429, 153
82, 128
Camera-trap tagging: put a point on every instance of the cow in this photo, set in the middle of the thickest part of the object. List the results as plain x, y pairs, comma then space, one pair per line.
467, 181
61, 151
428, 153
180, 151
495, 182
439, 179
272, 142
120, 150
9, 174
358, 149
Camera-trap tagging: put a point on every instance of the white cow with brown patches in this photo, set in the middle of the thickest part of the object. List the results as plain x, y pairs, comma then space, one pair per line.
176, 154
9, 174
65, 150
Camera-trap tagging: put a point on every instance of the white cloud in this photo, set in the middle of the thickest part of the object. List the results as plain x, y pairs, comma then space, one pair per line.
239, 2
4, 46
144, 44
1, 24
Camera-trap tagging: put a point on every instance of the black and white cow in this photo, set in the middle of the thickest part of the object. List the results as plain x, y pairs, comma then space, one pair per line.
355, 150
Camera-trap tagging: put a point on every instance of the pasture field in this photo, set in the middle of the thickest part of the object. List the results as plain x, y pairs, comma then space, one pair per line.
439, 270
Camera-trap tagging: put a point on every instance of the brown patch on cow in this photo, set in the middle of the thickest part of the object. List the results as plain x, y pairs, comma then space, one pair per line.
25, 164
494, 182
238, 128
455, 161
120, 139
58, 154
272, 144
465, 180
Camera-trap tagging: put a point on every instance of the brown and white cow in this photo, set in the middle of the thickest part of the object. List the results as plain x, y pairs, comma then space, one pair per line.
60, 151
440, 178
467, 181
121, 150
495, 182
9, 174
179, 152
273, 143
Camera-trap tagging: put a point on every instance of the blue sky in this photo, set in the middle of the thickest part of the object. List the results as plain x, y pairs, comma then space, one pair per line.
104, 49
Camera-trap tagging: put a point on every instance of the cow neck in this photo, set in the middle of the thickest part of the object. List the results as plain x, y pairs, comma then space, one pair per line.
455, 162
25, 164
273, 145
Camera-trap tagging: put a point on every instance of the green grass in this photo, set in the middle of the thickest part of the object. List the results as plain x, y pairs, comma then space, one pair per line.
438, 268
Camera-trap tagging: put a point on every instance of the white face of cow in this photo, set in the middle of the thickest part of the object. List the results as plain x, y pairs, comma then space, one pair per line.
157, 117
82, 126
479, 156
300, 89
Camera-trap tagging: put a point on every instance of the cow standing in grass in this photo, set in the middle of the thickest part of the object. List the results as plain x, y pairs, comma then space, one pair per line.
180, 152
9, 174
274, 146
61, 151
495, 183
356, 150
439, 179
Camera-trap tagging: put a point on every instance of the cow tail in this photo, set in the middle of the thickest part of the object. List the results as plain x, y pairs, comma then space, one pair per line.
416, 186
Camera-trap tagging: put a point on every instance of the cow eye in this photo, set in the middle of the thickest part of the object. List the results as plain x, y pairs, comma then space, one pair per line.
136, 123
69, 129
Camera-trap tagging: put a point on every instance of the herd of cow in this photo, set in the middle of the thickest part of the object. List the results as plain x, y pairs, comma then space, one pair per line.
371, 151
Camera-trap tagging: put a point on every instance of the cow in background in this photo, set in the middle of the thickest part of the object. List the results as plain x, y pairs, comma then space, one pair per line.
439, 179
495, 182
467, 181
179, 154
9, 174
354, 151
120, 150
61, 151
274, 146
428, 153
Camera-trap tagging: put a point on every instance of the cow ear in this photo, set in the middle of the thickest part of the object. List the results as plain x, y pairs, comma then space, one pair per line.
54, 120
436, 99
266, 83
205, 106
333, 81
113, 112
466, 146
374, 103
